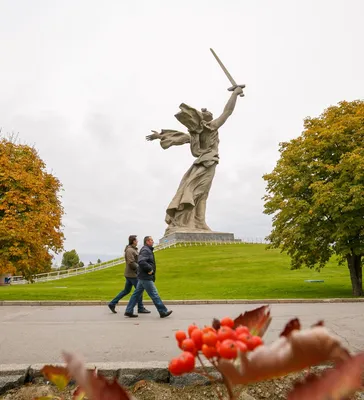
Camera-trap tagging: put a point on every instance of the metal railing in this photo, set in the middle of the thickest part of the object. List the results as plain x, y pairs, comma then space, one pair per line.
67, 273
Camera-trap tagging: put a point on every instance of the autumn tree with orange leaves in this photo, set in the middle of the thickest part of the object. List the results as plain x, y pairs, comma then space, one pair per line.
30, 211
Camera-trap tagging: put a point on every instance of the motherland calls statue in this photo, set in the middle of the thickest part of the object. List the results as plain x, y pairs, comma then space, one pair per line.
187, 210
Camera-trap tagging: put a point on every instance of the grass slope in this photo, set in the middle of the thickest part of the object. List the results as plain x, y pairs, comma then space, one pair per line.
240, 271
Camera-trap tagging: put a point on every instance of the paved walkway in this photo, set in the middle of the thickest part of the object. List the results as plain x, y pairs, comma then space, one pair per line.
36, 334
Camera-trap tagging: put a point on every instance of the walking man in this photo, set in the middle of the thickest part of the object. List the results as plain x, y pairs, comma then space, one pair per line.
131, 267
146, 279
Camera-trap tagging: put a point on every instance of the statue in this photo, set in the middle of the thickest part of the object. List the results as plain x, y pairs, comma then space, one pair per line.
187, 210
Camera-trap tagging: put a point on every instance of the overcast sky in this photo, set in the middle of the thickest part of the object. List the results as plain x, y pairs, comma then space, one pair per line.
85, 81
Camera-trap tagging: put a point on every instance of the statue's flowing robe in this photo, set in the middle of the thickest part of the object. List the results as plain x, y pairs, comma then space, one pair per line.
186, 211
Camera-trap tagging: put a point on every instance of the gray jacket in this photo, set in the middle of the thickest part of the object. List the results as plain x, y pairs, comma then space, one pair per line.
131, 261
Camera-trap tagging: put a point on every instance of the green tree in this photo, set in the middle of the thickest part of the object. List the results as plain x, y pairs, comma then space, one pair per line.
30, 211
316, 192
70, 259
99, 261
81, 264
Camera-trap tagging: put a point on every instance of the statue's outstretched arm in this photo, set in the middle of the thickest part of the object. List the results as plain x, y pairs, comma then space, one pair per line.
228, 110
154, 136
169, 138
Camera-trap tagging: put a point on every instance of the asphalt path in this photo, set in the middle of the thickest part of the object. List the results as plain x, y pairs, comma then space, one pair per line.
38, 334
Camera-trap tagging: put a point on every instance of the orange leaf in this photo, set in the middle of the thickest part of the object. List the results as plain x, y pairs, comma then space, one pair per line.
256, 320
79, 394
334, 384
292, 325
95, 386
77, 370
50, 397
319, 323
102, 389
57, 375
299, 350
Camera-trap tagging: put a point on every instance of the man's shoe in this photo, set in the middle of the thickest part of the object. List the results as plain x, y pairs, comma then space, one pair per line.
166, 314
112, 308
144, 311
131, 315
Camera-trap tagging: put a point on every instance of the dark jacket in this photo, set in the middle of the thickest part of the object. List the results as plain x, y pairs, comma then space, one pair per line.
131, 261
146, 263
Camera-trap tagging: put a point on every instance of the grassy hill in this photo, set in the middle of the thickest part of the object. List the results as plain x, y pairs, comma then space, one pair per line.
238, 271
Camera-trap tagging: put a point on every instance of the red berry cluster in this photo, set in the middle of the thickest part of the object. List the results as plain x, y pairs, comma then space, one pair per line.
224, 342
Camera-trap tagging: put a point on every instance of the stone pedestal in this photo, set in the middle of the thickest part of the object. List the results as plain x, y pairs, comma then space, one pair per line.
199, 237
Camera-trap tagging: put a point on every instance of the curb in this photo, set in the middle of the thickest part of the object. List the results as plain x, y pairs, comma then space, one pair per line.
107, 368
177, 302
126, 373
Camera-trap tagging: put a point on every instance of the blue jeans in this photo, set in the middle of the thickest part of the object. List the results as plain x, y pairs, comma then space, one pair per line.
129, 283
152, 291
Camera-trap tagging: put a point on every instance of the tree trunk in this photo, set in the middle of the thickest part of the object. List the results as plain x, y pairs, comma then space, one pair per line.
355, 269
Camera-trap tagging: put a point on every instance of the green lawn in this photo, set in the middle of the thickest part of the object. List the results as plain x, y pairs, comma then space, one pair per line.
240, 271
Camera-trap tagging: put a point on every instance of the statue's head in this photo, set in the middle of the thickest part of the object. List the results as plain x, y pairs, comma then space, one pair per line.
206, 115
